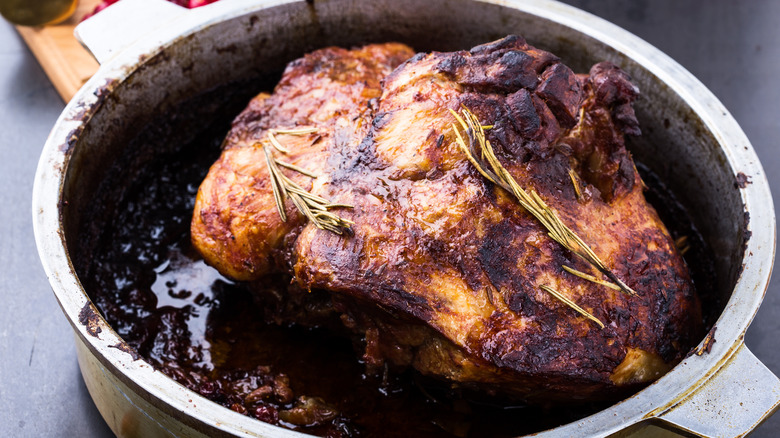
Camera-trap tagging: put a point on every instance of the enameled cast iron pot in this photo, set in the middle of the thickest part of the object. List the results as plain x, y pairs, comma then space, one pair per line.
690, 140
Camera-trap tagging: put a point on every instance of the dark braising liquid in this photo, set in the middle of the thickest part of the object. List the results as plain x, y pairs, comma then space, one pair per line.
207, 333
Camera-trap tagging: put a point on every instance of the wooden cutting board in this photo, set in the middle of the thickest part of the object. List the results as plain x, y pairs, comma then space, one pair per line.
66, 62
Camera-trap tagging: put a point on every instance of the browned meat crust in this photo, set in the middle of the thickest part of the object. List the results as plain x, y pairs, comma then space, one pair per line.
331, 89
443, 270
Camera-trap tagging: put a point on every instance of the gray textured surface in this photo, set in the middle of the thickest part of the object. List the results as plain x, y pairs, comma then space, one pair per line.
732, 47
41, 391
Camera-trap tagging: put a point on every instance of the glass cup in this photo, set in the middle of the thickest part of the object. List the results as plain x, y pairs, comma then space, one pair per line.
37, 12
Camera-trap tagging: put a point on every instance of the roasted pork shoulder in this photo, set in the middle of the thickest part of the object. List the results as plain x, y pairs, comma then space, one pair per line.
431, 261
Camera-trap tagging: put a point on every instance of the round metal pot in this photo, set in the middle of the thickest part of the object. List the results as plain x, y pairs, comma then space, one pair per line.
690, 140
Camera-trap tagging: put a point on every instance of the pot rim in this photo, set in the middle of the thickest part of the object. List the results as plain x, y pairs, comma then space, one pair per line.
650, 402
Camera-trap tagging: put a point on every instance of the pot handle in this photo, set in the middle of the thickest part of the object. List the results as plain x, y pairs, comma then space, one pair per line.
118, 26
732, 402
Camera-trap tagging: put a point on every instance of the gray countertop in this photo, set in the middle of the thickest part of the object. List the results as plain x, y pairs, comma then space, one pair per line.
733, 47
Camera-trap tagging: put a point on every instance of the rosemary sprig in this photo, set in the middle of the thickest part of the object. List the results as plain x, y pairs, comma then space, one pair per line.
530, 200
315, 208
571, 304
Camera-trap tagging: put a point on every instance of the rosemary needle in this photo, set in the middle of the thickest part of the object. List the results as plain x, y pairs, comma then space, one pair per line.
571, 304
276, 185
296, 131
590, 278
575, 183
